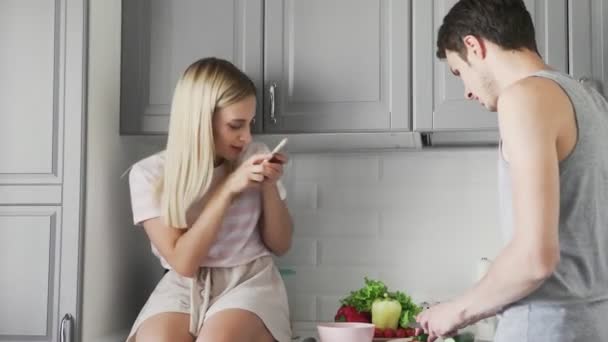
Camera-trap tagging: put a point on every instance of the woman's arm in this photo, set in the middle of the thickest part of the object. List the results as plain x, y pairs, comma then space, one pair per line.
184, 249
276, 226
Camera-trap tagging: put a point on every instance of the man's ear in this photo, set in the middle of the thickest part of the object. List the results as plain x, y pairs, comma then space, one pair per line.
476, 47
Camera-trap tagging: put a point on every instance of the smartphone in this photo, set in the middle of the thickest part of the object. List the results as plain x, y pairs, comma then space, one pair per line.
276, 150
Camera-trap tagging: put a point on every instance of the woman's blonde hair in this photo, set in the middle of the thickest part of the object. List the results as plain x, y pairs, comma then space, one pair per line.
207, 85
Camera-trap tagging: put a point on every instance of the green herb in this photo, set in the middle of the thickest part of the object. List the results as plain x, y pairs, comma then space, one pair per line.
409, 310
363, 298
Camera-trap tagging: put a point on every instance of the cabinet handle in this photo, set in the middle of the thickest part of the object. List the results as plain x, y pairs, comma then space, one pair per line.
272, 90
62, 330
584, 80
597, 85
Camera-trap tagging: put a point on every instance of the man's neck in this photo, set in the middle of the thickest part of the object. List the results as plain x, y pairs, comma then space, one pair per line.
513, 66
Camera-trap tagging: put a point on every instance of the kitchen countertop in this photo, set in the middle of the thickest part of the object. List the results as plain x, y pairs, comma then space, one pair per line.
307, 329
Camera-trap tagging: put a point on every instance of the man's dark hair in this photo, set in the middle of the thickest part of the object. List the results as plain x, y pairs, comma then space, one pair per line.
506, 23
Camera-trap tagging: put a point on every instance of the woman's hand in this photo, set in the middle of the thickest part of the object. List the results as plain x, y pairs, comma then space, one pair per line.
273, 168
249, 174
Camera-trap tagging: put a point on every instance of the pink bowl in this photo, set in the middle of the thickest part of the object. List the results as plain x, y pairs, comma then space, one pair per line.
346, 332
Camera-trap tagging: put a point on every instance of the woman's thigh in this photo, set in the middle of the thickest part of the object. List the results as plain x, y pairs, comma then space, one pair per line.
165, 327
234, 325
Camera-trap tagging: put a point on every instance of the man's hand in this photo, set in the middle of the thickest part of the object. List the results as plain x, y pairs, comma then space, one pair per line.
442, 320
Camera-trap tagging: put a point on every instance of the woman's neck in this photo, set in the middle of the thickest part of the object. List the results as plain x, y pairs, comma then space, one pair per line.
217, 162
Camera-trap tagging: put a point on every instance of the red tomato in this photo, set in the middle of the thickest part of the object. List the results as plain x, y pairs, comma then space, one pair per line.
378, 332
388, 332
401, 333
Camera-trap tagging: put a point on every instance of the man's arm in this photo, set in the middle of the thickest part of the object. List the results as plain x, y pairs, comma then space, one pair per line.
529, 118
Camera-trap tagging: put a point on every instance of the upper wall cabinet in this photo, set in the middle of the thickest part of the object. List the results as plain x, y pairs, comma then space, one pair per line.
339, 65
334, 65
161, 38
589, 42
329, 65
438, 96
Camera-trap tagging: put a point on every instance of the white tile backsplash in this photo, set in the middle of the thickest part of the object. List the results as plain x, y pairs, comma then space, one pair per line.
347, 169
302, 195
372, 253
335, 281
303, 307
335, 223
417, 220
303, 252
327, 307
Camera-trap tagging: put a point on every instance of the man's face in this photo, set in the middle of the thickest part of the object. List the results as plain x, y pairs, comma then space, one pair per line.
479, 83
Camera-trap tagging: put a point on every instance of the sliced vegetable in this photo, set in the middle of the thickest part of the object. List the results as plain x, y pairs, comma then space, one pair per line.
462, 337
422, 337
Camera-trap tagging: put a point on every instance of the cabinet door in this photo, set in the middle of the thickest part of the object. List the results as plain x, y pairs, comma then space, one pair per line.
438, 101
29, 262
336, 65
161, 38
588, 45
30, 145
41, 117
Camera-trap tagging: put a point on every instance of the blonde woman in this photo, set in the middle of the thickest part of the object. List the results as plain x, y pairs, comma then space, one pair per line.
212, 205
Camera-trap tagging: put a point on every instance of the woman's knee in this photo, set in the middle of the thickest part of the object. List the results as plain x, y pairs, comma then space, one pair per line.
234, 336
234, 325
165, 327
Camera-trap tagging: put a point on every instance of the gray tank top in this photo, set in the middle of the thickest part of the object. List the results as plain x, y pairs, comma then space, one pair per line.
582, 273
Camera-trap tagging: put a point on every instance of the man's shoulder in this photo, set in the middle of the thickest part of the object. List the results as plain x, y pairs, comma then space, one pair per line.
531, 92
532, 110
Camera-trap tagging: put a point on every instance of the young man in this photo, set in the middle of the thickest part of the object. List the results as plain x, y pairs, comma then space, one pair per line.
550, 282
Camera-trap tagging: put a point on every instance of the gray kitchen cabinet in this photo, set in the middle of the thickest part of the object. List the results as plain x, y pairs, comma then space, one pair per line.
41, 136
588, 50
438, 96
161, 38
338, 65
30, 273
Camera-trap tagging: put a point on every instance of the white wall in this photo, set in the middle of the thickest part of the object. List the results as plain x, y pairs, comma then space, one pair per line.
119, 271
417, 220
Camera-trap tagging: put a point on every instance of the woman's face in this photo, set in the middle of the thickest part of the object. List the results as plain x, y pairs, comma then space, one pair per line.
232, 128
